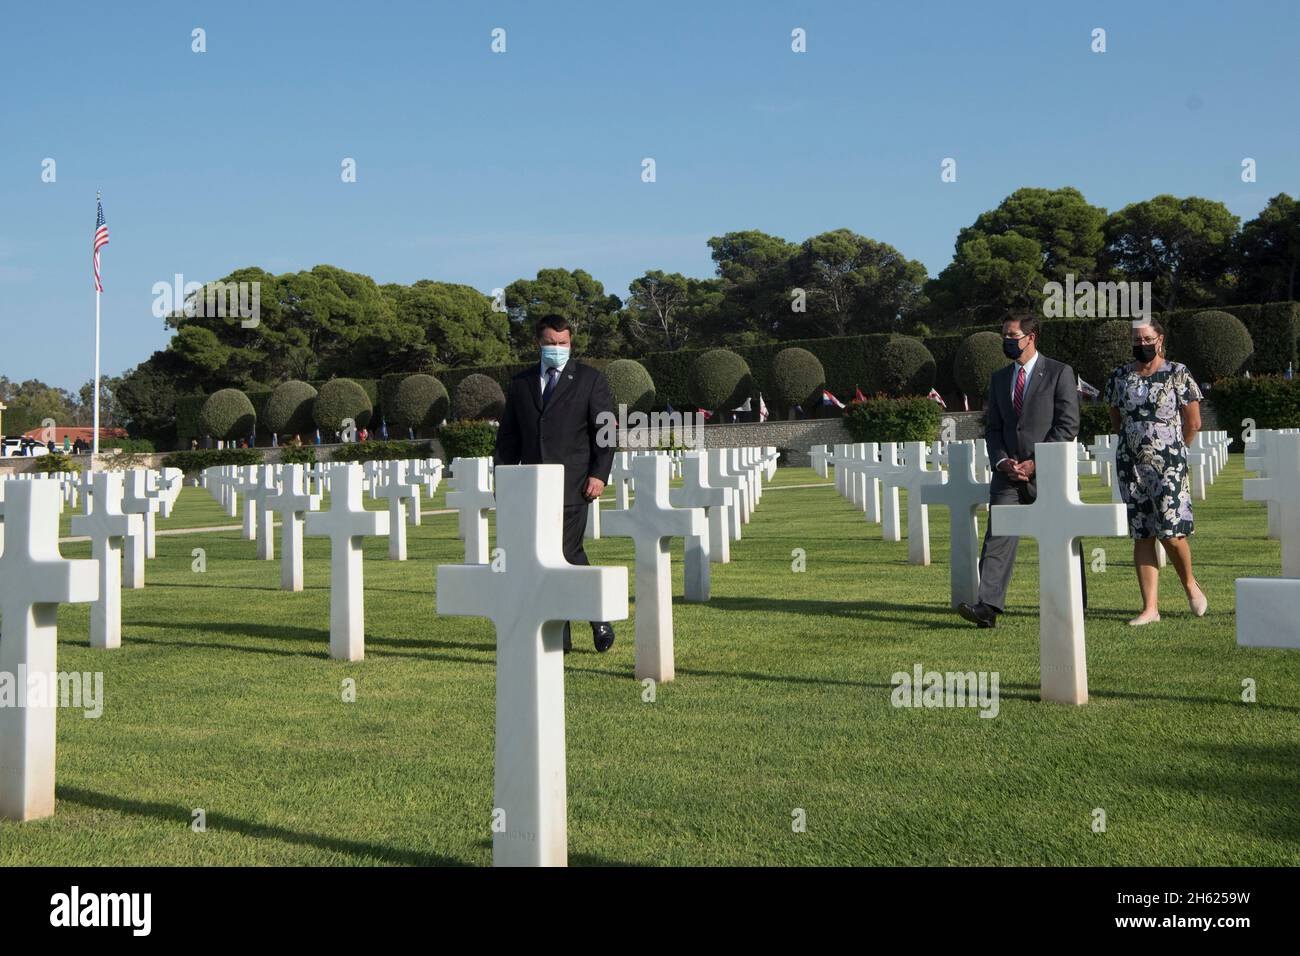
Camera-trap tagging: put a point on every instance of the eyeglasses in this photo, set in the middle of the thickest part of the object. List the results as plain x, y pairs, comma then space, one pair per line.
1147, 341
1016, 337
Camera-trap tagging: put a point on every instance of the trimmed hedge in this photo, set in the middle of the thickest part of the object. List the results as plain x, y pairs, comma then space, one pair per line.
288, 409
50, 464
631, 384
468, 439
1094, 419
902, 367
418, 401
720, 380
479, 397
1213, 345
1272, 401
894, 419
341, 399
193, 462
979, 356
227, 414
1110, 345
797, 378
299, 455
382, 451
1273, 327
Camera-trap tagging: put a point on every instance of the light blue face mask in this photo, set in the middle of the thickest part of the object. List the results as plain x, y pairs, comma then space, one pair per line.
555, 356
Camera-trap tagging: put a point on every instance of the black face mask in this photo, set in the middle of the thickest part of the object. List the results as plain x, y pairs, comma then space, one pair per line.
1144, 353
1012, 348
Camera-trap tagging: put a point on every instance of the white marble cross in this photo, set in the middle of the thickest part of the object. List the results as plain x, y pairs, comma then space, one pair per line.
889, 470
719, 504
428, 471
346, 522
864, 476
1200, 466
136, 501
396, 490
34, 580
529, 598
619, 476
963, 494
167, 489
246, 482
819, 456
258, 496
913, 477
592, 530
292, 503
1103, 449
470, 493
695, 493
1266, 607
651, 522
735, 466
107, 528
1057, 519
720, 478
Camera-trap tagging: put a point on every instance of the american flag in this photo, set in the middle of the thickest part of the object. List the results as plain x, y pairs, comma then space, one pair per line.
101, 240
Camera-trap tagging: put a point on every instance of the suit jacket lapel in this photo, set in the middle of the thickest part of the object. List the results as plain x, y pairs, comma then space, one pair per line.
563, 386
1032, 387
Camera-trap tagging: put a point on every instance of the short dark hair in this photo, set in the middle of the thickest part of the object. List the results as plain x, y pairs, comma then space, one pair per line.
1029, 322
553, 321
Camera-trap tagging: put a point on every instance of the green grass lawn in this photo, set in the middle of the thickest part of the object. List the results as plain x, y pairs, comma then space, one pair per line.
223, 698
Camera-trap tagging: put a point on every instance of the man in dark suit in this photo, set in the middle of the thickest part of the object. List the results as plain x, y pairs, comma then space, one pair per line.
1034, 399
552, 418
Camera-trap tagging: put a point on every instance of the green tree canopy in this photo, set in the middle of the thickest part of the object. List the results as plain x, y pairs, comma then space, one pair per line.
1181, 246
1268, 253
574, 294
854, 285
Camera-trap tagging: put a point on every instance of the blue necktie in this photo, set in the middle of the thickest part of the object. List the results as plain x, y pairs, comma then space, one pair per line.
552, 376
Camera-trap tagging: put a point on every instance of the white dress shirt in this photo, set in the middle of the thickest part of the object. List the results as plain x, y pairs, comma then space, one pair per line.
1029, 374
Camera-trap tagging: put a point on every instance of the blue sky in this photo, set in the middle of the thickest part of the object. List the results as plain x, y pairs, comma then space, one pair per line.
481, 168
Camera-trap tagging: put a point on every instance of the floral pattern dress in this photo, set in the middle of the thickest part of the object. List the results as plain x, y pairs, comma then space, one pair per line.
1151, 461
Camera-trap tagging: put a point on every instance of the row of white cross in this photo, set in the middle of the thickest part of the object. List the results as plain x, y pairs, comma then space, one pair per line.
1268, 609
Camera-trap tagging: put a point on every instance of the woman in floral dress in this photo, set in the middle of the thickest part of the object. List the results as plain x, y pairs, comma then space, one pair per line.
1155, 410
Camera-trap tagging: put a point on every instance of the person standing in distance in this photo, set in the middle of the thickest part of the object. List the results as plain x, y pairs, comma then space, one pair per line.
1034, 399
553, 417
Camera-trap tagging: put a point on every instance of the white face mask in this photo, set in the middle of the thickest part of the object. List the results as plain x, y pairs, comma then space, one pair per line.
555, 356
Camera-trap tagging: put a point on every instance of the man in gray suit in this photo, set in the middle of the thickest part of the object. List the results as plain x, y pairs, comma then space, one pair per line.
1033, 399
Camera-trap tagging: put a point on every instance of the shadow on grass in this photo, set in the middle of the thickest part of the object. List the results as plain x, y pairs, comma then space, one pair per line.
856, 610
581, 859
1253, 784
314, 635
262, 831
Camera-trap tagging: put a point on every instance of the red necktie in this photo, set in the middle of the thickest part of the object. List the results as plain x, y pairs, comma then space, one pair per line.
1018, 396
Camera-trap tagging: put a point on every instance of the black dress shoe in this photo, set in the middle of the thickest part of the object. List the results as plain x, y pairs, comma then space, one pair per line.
568, 638
979, 614
603, 634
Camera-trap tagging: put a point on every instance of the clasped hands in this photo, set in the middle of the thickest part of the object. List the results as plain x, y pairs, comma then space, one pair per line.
1017, 470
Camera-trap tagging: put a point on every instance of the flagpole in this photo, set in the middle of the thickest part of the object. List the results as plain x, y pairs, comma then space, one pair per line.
99, 210
94, 453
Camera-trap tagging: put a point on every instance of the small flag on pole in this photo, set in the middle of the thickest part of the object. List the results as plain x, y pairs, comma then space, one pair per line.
1090, 391
762, 408
936, 397
101, 240
857, 395
829, 399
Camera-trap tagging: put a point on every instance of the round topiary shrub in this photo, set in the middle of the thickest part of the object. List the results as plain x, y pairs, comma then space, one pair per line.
419, 401
797, 378
1213, 345
478, 396
719, 380
289, 409
227, 415
1110, 346
341, 399
904, 366
631, 384
977, 359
